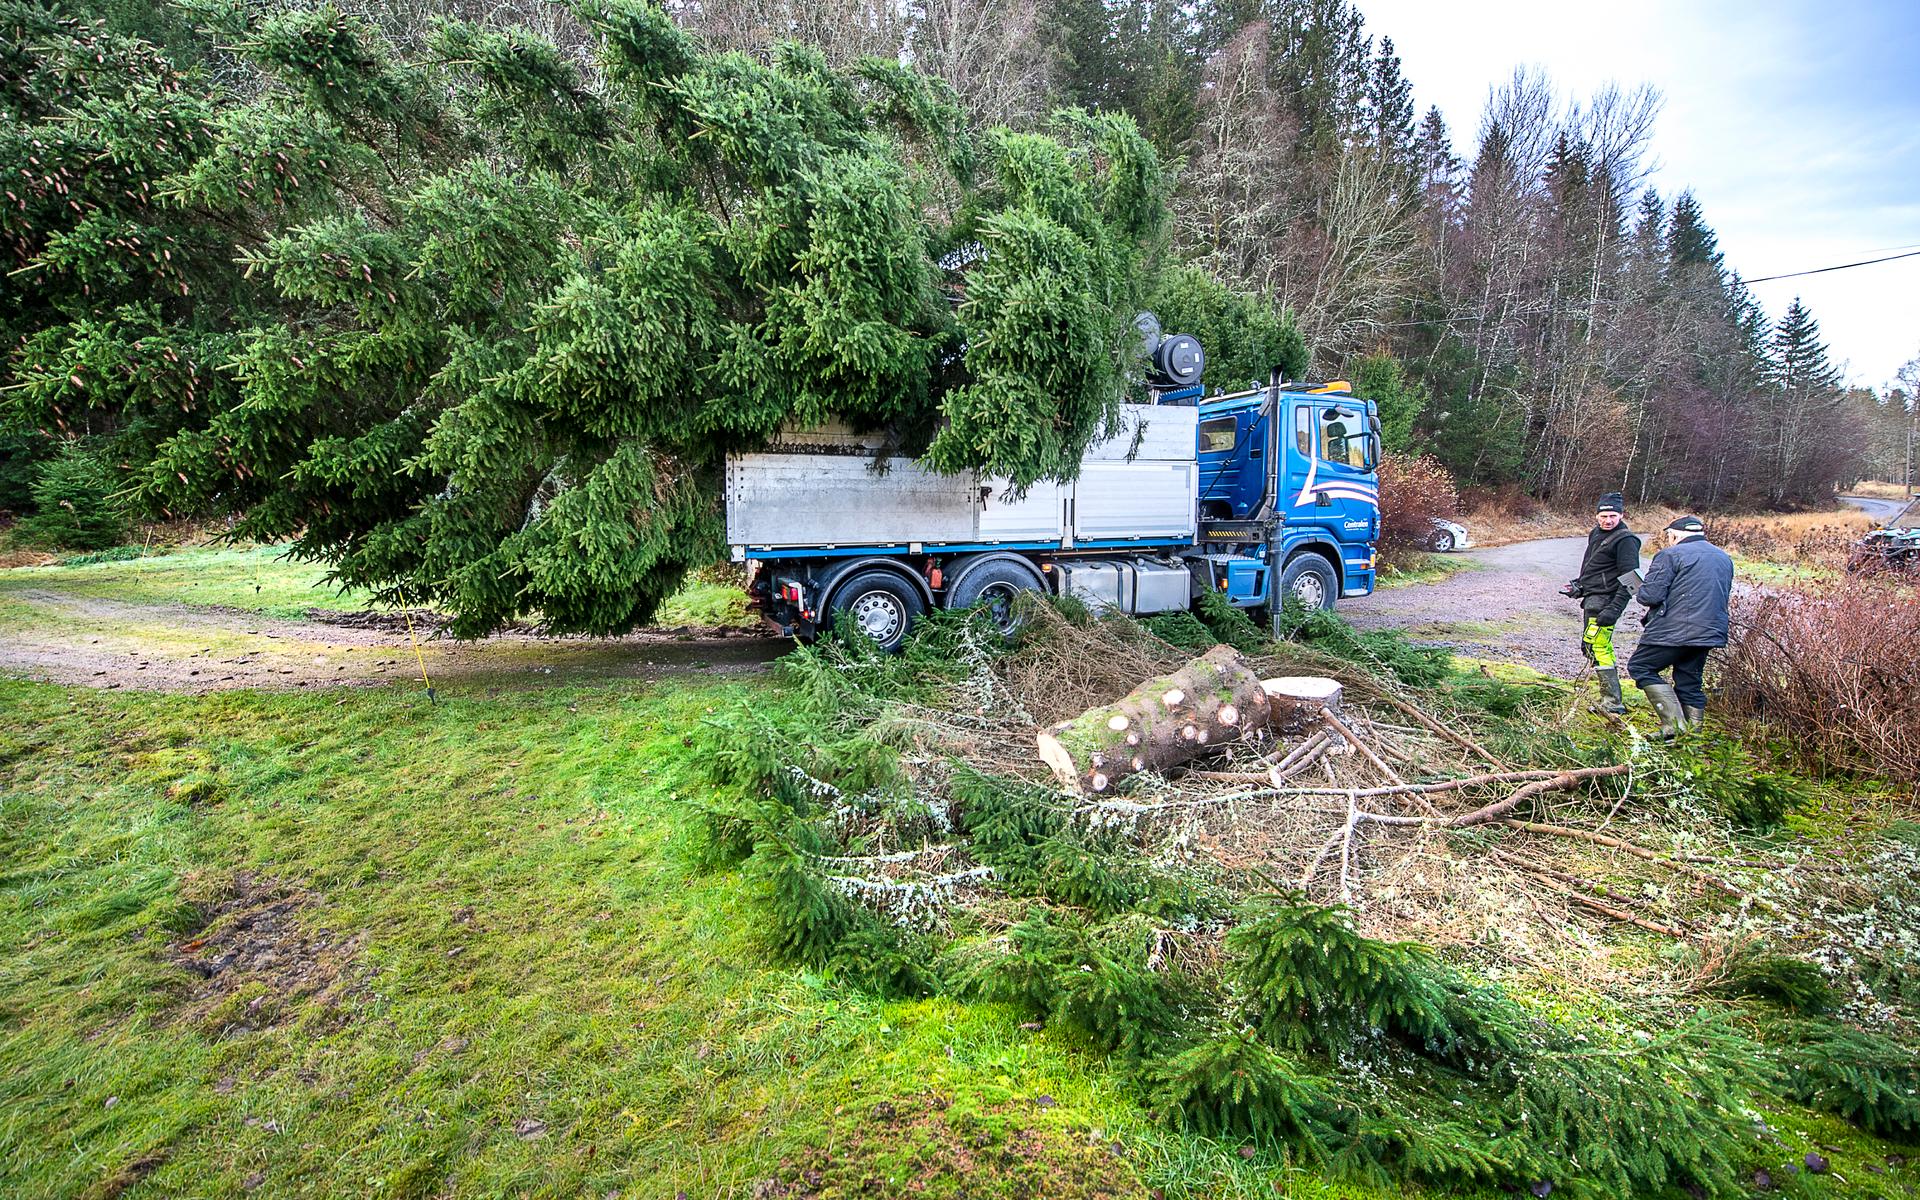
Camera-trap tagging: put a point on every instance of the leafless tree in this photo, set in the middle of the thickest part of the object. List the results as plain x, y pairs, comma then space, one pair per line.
843, 30
993, 52
1234, 204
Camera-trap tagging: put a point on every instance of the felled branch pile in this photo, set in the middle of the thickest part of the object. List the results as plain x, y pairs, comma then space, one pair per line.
924, 847
1373, 798
1361, 804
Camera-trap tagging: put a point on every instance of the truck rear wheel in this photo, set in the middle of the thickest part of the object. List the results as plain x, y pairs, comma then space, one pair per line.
1309, 579
882, 605
997, 585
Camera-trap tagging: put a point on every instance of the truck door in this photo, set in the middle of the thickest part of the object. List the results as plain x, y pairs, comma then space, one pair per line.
1340, 493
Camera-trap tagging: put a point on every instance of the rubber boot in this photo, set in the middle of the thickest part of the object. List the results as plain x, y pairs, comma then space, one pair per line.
1610, 689
1694, 717
1673, 719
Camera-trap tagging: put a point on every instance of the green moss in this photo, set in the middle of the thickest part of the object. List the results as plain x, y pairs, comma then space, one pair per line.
1422, 568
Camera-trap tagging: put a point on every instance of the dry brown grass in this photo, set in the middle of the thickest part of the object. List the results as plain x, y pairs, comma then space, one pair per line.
1810, 539
1494, 524
1875, 489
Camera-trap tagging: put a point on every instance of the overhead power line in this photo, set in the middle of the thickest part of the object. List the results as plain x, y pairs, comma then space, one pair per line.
1865, 262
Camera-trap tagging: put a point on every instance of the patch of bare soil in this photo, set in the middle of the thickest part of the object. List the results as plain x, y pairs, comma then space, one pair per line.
184, 648
26, 558
921, 1147
260, 958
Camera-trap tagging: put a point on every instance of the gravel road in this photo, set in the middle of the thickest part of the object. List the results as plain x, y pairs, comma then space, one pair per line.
1506, 605
1879, 510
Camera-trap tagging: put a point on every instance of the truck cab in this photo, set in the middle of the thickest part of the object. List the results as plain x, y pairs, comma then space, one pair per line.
1289, 473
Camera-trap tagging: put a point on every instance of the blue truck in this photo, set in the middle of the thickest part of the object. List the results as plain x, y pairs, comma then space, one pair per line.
1258, 496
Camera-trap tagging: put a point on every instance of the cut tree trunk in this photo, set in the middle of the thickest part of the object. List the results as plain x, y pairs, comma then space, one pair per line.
1296, 701
1160, 724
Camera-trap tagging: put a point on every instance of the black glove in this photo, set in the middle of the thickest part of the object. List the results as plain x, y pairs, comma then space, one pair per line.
1572, 590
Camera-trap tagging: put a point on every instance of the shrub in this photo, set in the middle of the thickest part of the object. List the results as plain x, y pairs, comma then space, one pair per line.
1834, 670
74, 505
1413, 490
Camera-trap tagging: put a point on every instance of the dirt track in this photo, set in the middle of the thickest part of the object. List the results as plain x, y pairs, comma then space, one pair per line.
182, 648
1505, 606
1879, 510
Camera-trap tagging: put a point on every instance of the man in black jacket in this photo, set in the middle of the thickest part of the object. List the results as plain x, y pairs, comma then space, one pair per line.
1603, 588
1687, 593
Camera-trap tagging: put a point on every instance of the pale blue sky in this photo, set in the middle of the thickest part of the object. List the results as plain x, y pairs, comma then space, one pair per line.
1796, 123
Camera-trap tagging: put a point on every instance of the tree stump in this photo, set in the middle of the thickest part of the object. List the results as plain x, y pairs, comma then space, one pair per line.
1296, 701
1160, 724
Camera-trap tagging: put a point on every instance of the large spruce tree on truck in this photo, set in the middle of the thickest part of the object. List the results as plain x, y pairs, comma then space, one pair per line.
475, 323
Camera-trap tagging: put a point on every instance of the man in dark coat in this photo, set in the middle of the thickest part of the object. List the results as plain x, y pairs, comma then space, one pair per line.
1687, 594
1603, 587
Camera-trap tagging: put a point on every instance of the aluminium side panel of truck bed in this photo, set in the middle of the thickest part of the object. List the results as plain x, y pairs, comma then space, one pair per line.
823, 490
842, 500
1136, 499
1150, 433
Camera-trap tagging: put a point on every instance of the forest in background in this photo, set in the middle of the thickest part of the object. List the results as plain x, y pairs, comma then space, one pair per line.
341, 258
1554, 323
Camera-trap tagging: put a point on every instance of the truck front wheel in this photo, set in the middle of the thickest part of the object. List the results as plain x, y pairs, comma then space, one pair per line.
1309, 579
882, 605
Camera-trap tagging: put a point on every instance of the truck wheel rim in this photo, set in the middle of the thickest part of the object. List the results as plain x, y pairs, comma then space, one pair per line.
999, 598
1310, 591
880, 616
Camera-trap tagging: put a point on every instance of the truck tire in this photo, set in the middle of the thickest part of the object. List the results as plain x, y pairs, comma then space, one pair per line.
881, 604
998, 585
1309, 578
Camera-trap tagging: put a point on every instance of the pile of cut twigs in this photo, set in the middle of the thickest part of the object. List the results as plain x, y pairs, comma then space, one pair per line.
1388, 807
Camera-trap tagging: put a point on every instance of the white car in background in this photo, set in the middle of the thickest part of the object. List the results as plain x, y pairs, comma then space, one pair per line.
1447, 536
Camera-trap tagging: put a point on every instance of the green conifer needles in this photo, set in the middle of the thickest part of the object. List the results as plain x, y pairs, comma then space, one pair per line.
476, 324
